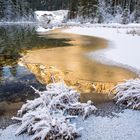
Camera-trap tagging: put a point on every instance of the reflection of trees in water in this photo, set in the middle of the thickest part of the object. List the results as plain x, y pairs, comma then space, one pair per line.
9, 61
15, 40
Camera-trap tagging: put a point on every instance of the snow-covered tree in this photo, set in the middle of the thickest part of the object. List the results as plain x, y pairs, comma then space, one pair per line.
120, 11
74, 9
126, 16
15, 10
137, 12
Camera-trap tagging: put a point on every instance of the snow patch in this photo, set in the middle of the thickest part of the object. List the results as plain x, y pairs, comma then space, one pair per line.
43, 30
126, 126
9, 134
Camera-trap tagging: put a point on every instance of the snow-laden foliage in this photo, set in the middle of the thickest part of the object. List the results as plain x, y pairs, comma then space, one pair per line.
128, 93
50, 115
105, 11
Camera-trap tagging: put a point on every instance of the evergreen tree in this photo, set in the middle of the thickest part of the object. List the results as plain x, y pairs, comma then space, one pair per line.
89, 8
122, 11
8, 9
126, 16
73, 13
137, 12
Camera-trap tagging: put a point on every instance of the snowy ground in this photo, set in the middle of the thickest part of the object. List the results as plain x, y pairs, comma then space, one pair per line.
123, 47
126, 126
9, 134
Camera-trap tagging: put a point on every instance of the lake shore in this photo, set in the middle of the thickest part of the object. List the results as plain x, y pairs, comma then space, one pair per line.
105, 105
123, 43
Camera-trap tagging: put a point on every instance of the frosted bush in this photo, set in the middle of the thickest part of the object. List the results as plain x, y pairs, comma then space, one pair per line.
128, 93
50, 115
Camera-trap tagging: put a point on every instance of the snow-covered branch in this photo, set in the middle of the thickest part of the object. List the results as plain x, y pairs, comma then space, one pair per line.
49, 116
128, 93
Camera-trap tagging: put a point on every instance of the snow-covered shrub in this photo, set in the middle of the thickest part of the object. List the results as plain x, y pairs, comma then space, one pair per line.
128, 93
49, 116
133, 32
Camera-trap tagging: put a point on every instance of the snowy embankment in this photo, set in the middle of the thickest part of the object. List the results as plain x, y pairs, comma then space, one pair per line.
48, 20
124, 43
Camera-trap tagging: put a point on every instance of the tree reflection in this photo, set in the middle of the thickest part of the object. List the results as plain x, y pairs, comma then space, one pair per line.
16, 40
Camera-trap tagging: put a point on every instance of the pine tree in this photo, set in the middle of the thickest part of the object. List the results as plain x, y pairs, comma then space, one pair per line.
73, 9
137, 12
125, 16
89, 9
1, 9
8, 10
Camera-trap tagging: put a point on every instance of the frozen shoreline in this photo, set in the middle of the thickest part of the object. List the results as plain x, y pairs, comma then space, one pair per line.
123, 47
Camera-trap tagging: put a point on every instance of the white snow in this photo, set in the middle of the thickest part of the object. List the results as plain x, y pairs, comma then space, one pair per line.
128, 93
123, 48
9, 134
43, 30
50, 19
59, 15
124, 127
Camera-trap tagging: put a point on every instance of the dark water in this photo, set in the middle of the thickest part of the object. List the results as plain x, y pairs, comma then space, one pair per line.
15, 80
65, 51
15, 40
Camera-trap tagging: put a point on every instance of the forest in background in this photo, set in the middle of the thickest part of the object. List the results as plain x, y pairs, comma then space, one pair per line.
105, 11
94, 11
13, 10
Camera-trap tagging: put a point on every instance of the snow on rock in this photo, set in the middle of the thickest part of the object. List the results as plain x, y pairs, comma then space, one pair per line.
124, 45
51, 114
128, 93
50, 19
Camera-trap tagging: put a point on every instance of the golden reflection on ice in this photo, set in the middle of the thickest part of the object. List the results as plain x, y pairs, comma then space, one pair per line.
75, 65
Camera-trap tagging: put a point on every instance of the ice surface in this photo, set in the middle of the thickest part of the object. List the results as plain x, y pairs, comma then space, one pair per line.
123, 48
